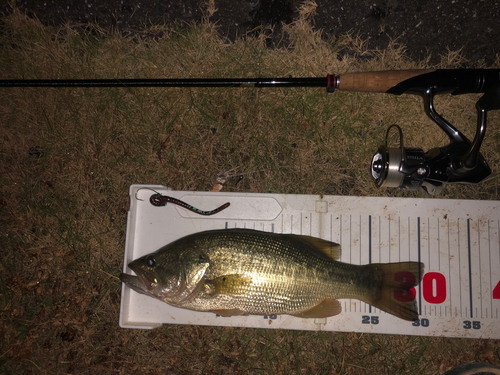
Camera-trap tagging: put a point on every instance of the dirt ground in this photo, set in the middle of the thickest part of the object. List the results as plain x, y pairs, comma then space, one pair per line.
427, 27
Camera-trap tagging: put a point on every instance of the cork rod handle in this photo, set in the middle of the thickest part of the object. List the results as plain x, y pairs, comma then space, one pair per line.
376, 81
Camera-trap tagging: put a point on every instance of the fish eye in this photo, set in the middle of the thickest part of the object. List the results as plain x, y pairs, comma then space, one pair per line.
150, 261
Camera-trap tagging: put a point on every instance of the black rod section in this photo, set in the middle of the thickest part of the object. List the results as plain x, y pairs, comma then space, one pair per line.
223, 82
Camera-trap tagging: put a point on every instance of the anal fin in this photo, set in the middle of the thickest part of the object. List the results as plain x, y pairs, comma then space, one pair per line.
229, 312
326, 308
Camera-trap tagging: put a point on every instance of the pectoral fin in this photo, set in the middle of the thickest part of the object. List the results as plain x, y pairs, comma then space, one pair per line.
326, 308
228, 284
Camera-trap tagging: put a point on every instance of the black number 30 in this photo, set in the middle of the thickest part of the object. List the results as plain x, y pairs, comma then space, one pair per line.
421, 323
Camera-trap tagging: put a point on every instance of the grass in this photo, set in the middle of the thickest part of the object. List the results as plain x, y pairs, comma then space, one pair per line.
68, 157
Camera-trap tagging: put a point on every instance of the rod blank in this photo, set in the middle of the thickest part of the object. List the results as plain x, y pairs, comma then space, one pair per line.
224, 82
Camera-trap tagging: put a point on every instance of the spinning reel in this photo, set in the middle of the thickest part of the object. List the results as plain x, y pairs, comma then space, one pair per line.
458, 162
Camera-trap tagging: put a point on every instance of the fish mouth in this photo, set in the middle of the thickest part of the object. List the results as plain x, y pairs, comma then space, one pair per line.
143, 283
134, 283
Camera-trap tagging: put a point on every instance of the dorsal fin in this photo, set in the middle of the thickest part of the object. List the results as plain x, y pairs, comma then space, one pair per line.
330, 250
324, 249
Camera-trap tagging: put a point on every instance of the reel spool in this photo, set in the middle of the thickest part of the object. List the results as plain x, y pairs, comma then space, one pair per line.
402, 168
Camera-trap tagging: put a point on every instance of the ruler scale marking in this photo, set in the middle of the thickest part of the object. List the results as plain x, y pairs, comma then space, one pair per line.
498, 233
331, 227
459, 264
419, 275
439, 243
350, 238
340, 231
399, 237
480, 270
409, 239
470, 267
369, 239
429, 240
389, 238
449, 265
370, 248
489, 258
360, 239
379, 238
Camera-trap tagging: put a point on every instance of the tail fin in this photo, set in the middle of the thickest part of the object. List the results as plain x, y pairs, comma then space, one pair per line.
395, 295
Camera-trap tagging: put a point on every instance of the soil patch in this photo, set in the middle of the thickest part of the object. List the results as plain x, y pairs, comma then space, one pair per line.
427, 28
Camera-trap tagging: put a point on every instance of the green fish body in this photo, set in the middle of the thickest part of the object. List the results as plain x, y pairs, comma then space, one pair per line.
248, 272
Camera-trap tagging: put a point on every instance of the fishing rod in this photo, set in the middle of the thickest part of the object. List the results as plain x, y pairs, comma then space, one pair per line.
405, 168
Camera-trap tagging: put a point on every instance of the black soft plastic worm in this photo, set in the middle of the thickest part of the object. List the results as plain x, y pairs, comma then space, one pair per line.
159, 200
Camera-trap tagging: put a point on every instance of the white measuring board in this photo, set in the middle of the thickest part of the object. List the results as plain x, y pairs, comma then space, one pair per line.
457, 240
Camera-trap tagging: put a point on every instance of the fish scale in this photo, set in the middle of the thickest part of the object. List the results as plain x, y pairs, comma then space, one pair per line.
277, 295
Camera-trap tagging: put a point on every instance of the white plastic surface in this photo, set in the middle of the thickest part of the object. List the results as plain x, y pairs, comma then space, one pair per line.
457, 240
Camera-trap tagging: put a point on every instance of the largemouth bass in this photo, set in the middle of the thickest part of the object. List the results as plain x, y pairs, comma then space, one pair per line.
247, 272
